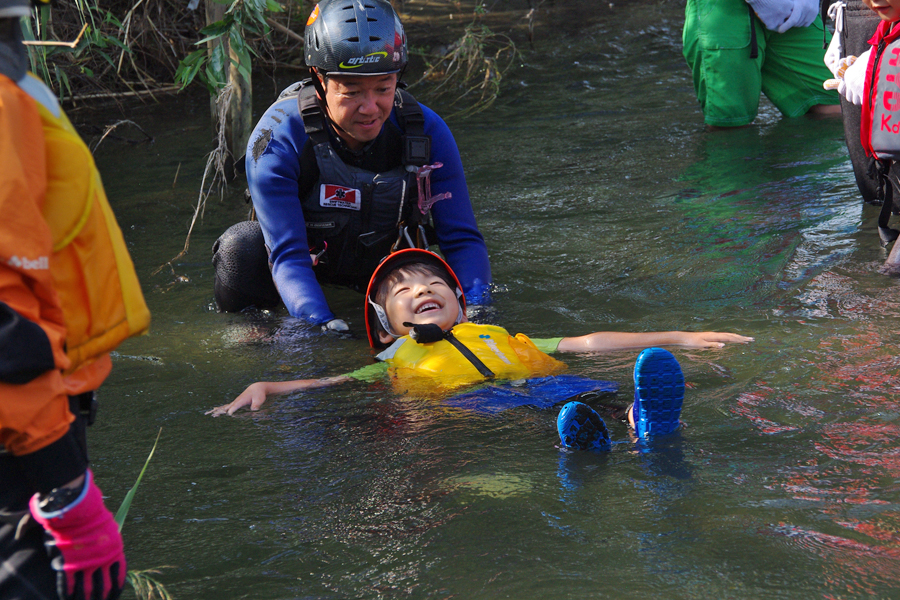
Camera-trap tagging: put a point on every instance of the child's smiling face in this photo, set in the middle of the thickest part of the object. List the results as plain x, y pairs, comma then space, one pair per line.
888, 10
420, 298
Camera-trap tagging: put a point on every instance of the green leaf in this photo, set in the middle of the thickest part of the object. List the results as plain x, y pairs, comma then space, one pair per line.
236, 41
112, 19
219, 28
273, 6
118, 43
189, 67
245, 72
217, 61
63, 80
108, 59
126, 503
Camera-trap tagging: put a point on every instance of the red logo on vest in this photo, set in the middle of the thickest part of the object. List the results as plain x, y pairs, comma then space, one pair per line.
338, 196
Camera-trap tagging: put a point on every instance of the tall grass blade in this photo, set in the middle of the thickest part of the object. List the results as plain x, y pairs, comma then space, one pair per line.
126, 503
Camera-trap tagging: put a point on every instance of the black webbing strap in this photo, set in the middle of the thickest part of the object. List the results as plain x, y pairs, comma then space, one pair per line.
312, 114
482, 368
430, 333
754, 46
416, 145
886, 234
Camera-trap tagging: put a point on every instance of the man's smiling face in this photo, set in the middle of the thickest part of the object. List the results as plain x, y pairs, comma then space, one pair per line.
359, 106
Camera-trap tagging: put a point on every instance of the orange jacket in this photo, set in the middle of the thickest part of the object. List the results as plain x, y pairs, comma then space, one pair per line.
63, 264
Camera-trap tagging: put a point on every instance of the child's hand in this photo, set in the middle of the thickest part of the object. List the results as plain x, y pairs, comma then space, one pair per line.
254, 395
712, 339
851, 78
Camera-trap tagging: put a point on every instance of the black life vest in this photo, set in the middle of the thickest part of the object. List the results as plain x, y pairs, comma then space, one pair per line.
353, 216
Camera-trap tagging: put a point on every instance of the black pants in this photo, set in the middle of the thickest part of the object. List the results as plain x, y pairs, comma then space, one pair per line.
859, 25
25, 573
243, 276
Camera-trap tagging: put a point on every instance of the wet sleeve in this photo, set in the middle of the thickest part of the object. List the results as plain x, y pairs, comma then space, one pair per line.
546, 345
458, 236
273, 175
373, 372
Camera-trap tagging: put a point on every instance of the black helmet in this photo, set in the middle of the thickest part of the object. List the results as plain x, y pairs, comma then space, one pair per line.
355, 37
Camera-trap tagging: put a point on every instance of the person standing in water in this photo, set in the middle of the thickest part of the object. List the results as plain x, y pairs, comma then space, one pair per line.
737, 49
871, 81
343, 168
68, 296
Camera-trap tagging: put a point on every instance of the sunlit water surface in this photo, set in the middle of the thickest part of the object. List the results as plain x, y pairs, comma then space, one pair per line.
606, 206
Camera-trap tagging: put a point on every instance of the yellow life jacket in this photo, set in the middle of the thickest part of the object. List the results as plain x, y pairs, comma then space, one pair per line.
92, 271
426, 369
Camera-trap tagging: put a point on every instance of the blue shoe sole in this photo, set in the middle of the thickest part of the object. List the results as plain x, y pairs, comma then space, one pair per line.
581, 428
658, 392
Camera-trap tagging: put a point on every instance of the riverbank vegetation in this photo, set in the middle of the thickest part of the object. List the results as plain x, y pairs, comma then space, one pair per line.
119, 49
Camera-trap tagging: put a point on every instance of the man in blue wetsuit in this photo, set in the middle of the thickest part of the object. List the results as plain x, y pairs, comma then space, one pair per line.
343, 167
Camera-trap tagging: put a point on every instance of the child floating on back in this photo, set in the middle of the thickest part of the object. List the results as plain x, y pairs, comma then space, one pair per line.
415, 312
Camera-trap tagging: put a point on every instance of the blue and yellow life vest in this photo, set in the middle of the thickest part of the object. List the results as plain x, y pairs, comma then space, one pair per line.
439, 366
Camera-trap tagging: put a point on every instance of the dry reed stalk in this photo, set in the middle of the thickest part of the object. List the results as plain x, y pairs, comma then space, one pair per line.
214, 171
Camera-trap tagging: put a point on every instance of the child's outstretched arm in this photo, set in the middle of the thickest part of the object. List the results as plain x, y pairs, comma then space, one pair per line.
255, 395
615, 340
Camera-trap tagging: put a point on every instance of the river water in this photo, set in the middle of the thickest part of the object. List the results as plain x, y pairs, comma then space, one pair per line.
606, 206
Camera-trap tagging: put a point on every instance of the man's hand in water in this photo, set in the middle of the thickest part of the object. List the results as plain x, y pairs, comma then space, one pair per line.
336, 326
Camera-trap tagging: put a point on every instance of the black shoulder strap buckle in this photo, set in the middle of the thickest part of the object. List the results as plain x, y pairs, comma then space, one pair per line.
416, 145
416, 150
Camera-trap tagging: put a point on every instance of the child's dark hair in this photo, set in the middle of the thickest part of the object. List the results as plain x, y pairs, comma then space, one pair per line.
401, 271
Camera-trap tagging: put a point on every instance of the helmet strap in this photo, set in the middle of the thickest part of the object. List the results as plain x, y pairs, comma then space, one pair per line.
320, 90
317, 83
382, 318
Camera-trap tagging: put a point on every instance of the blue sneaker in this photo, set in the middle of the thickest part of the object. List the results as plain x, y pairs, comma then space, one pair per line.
658, 393
581, 428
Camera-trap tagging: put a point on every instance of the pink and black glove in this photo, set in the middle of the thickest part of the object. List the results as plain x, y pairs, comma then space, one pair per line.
85, 546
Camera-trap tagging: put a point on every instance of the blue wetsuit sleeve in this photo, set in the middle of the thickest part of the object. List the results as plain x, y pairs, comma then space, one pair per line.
273, 174
458, 236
